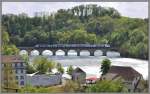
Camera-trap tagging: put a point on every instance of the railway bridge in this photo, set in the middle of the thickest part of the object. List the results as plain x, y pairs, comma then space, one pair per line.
66, 47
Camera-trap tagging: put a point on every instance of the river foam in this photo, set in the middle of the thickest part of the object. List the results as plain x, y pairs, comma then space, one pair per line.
91, 64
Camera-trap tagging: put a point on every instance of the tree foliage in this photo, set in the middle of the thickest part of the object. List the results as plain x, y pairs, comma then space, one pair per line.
9, 77
83, 24
70, 69
7, 47
107, 86
29, 67
31, 89
71, 86
105, 66
43, 65
60, 68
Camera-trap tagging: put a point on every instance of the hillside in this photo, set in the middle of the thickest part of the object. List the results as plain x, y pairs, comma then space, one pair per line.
81, 24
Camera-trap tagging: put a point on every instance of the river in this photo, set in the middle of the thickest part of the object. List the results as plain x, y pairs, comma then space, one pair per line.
91, 64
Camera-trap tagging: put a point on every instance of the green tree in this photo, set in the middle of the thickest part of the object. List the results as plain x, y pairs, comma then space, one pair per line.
83, 24
69, 70
105, 66
7, 47
51, 64
145, 85
5, 36
71, 86
9, 78
31, 89
29, 68
107, 86
100, 25
60, 68
42, 65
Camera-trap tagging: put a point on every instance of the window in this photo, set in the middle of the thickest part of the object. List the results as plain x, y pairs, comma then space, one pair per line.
4, 65
21, 64
16, 71
22, 83
21, 77
15, 64
17, 77
21, 71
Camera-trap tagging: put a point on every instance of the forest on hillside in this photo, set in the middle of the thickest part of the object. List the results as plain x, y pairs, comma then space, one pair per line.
84, 24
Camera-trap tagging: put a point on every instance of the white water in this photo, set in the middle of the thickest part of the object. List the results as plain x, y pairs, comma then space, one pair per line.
91, 64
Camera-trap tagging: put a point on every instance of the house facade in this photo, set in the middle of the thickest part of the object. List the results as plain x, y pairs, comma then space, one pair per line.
127, 75
79, 75
18, 68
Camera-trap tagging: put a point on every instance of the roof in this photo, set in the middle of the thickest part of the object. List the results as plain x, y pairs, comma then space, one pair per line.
78, 70
127, 73
92, 78
11, 59
110, 76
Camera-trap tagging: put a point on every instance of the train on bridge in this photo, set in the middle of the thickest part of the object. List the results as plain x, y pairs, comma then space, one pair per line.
71, 45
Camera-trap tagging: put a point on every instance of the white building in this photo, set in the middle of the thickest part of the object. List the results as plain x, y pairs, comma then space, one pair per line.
18, 65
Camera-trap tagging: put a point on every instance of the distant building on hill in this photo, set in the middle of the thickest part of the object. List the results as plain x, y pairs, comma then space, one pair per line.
79, 75
127, 75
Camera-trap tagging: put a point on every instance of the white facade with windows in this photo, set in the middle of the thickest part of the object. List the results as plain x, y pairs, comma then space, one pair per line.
18, 66
20, 73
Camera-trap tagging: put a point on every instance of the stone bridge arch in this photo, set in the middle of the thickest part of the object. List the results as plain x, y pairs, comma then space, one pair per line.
62, 52
74, 52
22, 52
47, 52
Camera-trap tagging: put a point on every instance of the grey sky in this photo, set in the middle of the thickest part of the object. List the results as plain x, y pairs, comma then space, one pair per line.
130, 9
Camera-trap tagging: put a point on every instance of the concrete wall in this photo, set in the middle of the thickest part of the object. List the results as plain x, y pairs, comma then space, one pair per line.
44, 80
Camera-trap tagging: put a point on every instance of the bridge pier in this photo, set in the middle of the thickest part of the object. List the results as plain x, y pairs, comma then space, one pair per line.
66, 53
78, 52
40, 51
54, 53
92, 53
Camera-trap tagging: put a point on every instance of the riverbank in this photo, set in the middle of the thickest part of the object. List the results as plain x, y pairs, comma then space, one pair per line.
91, 65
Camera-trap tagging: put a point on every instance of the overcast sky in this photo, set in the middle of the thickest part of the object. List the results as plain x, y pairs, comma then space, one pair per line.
130, 9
